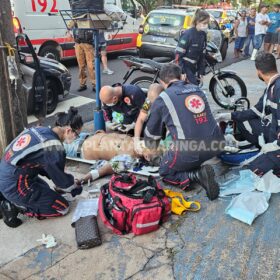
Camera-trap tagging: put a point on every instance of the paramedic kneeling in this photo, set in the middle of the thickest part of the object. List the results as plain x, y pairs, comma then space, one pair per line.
124, 99
183, 110
260, 125
37, 151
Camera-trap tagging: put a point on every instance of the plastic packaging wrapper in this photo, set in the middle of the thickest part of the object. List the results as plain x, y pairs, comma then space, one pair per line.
47, 240
99, 163
85, 208
268, 183
234, 183
122, 163
248, 205
114, 12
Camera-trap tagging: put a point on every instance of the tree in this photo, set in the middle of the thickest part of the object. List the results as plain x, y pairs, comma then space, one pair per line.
148, 5
12, 102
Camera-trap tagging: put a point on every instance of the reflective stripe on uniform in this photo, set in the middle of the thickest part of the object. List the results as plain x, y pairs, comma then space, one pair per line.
173, 114
147, 224
272, 104
248, 126
190, 60
180, 50
64, 212
256, 111
154, 137
278, 122
35, 148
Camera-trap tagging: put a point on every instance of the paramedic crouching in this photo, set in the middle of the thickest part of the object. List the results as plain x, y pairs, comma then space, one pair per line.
37, 151
260, 125
124, 99
183, 110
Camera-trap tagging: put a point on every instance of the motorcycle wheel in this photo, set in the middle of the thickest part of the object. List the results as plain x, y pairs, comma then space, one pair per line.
143, 82
234, 86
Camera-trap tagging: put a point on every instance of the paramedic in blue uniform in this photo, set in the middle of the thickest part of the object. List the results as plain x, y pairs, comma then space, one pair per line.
260, 125
183, 110
125, 99
190, 51
37, 151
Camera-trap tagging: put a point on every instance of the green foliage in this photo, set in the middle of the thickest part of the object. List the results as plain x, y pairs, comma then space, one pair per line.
148, 5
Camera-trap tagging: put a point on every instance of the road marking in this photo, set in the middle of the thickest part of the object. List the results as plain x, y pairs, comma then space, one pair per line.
64, 106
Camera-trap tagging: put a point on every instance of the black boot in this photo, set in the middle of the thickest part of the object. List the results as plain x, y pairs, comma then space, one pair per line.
9, 213
205, 176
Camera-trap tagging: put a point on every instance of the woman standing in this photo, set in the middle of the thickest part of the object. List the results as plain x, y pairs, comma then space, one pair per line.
190, 51
240, 30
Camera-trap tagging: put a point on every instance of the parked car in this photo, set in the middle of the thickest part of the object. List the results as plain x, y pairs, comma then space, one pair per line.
226, 19
159, 33
55, 81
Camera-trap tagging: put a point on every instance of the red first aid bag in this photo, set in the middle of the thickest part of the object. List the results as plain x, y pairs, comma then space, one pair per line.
130, 205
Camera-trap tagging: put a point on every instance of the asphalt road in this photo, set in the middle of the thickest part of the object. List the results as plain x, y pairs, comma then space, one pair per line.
85, 101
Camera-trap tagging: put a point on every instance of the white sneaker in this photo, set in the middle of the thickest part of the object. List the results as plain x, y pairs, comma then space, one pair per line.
108, 71
254, 54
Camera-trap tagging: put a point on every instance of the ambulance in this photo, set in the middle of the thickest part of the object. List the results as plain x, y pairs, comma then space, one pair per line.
44, 25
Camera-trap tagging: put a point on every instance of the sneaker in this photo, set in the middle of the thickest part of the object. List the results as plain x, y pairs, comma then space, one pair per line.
82, 88
108, 71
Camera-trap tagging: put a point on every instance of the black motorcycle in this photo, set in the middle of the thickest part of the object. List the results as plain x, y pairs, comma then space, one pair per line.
225, 86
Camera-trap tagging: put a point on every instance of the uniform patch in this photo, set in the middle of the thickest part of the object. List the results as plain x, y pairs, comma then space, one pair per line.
195, 104
146, 106
22, 142
183, 41
9, 154
146, 28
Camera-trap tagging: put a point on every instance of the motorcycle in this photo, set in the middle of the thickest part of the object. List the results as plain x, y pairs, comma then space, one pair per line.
225, 86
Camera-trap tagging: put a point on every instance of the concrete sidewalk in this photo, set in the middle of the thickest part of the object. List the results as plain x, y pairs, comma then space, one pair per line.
203, 245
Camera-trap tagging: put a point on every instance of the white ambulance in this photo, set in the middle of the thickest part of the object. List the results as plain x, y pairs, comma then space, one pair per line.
42, 22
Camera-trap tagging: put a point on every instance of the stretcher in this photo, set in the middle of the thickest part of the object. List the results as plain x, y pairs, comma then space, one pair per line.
138, 170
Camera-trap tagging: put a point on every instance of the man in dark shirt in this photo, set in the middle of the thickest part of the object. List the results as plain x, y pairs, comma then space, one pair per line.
125, 99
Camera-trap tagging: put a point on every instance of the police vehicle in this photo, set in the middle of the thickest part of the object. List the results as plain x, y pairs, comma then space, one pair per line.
159, 33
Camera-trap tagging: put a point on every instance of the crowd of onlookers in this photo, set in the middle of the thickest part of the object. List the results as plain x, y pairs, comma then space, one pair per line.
252, 28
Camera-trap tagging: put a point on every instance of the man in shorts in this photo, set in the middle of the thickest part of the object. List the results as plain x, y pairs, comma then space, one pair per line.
271, 37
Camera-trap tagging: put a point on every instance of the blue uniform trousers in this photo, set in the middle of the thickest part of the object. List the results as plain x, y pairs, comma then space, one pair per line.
38, 200
251, 130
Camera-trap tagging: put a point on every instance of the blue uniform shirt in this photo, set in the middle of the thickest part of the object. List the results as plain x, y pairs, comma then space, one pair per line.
36, 151
275, 22
184, 111
272, 109
130, 94
192, 45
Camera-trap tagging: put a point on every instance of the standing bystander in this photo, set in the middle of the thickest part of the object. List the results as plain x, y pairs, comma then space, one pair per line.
85, 56
240, 31
262, 22
271, 37
251, 19
103, 45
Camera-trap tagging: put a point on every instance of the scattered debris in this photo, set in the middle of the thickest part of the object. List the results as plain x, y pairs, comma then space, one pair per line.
48, 240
